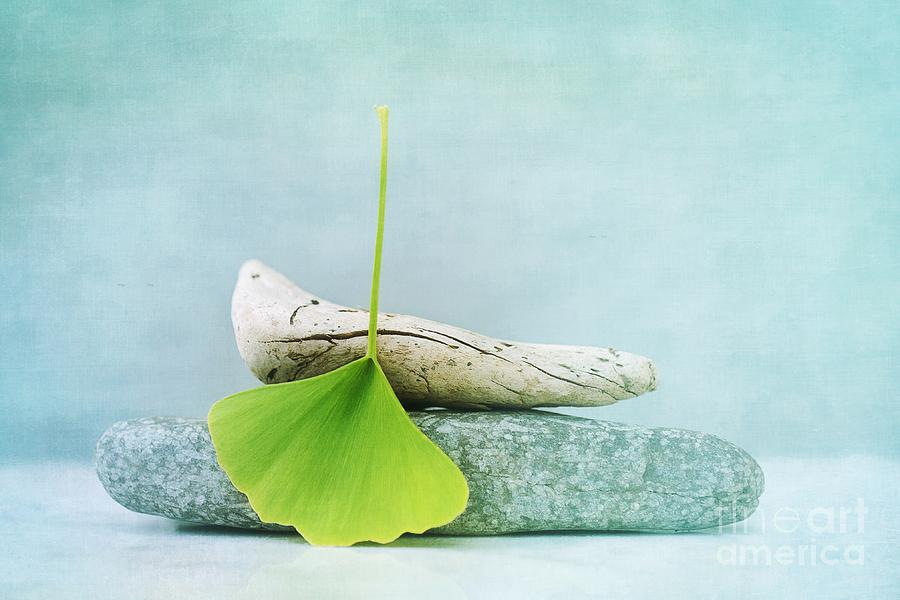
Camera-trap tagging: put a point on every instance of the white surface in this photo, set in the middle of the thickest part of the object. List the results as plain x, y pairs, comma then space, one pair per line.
64, 538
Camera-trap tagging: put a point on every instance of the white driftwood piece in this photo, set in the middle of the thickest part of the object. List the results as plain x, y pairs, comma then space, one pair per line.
285, 333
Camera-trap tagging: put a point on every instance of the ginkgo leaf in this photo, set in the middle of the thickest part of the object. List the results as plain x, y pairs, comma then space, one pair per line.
336, 456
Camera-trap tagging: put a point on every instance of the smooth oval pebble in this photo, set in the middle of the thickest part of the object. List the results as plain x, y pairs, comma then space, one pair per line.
527, 471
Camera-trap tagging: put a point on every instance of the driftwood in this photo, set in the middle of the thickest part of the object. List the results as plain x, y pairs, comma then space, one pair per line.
285, 333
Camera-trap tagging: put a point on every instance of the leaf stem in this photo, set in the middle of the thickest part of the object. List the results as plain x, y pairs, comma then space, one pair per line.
371, 350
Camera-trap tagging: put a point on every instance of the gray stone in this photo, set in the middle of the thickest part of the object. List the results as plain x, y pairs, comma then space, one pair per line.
527, 471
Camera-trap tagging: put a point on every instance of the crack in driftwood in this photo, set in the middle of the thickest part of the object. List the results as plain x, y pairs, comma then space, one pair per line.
468, 345
331, 337
304, 361
422, 377
516, 392
578, 383
607, 379
346, 335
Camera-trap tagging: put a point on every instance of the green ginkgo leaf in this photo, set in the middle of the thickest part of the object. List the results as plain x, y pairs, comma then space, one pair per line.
336, 456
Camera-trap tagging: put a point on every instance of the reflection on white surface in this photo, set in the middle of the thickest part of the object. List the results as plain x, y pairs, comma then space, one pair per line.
63, 537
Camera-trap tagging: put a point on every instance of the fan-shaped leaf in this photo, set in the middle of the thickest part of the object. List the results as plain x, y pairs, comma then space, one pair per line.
336, 456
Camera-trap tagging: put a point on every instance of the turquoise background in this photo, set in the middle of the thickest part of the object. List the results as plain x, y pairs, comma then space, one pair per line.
713, 185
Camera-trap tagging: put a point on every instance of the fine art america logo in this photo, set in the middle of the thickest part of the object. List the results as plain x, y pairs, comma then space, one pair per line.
838, 525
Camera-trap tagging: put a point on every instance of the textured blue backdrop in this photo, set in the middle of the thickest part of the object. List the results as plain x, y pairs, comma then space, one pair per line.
713, 185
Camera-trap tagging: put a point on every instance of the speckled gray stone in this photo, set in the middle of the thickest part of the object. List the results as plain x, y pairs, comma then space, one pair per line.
527, 471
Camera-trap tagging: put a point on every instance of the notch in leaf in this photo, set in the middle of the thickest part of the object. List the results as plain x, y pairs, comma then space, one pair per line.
336, 456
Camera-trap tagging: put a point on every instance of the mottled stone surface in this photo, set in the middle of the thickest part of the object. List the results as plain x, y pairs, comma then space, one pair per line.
527, 471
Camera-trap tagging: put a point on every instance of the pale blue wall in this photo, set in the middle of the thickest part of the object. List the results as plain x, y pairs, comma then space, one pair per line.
713, 185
